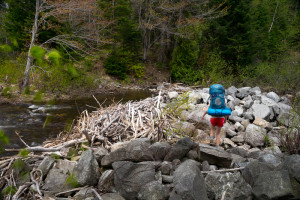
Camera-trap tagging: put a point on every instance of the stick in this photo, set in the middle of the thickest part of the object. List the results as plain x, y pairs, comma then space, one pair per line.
97, 101
51, 149
21, 139
21, 190
96, 193
224, 170
104, 129
72, 190
86, 134
35, 181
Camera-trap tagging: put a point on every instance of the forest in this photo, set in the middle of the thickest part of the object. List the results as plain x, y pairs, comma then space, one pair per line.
61, 45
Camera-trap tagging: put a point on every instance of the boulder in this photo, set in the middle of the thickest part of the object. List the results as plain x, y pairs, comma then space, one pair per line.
231, 91
284, 118
159, 150
46, 165
189, 182
273, 96
180, 149
255, 135
166, 168
99, 153
255, 91
154, 190
56, 180
270, 159
216, 156
238, 111
185, 128
239, 127
130, 177
106, 181
239, 151
267, 101
232, 184
137, 150
112, 196
273, 185
240, 138
172, 95
253, 169
292, 164
84, 194
243, 92
261, 111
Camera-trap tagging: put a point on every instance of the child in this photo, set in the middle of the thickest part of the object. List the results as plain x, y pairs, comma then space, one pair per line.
216, 123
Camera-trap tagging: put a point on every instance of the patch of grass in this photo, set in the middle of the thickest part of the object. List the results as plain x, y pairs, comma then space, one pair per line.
71, 180
38, 96
9, 190
6, 92
24, 153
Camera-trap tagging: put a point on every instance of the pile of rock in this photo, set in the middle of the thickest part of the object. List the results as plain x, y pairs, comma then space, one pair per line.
144, 170
256, 117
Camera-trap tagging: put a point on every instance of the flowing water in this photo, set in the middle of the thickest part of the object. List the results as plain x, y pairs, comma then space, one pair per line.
39, 122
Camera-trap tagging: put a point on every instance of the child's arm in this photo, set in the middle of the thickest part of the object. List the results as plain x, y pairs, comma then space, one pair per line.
205, 112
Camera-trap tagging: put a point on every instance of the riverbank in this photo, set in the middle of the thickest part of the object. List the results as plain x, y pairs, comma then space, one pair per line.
159, 142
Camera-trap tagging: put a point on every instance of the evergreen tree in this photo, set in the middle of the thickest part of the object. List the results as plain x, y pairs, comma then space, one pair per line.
18, 20
231, 32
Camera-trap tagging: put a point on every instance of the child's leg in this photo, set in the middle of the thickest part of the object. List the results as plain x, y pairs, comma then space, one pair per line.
212, 135
218, 130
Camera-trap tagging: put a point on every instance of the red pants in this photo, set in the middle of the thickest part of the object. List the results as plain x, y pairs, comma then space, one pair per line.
217, 121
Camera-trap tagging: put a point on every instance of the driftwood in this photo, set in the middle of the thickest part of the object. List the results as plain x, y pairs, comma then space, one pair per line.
224, 170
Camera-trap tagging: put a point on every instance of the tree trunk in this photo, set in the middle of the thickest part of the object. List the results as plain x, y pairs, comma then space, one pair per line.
33, 37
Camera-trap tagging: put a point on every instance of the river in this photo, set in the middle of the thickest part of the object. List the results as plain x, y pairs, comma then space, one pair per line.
39, 122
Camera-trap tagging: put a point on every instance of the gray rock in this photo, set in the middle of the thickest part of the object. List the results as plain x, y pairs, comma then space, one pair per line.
172, 95
255, 91
239, 151
194, 155
205, 166
261, 111
238, 110
284, 100
167, 179
233, 183
106, 181
239, 127
253, 169
272, 185
240, 138
185, 128
255, 135
87, 171
166, 168
137, 150
284, 107
160, 150
130, 177
267, 101
189, 182
248, 104
249, 116
215, 156
112, 196
153, 191
243, 92
231, 91
261, 122
235, 119
180, 149
284, 118
56, 180
273, 96
99, 153
230, 133
292, 164
84, 194
46, 165
270, 159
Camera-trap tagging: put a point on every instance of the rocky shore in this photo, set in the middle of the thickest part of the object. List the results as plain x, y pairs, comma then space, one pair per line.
148, 151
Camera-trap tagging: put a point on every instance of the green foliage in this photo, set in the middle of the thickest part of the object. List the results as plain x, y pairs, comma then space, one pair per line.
9, 190
72, 152
6, 48
183, 64
27, 90
38, 96
38, 53
13, 69
138, 70
18, 20
55, 156
72, 181
18, 165
72, 71
24, 153
116, 65
54, 56
47, 121
3, 140
6, 92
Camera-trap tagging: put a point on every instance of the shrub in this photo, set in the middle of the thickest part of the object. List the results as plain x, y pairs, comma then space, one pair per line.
138, 70
290, 138
115, 65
